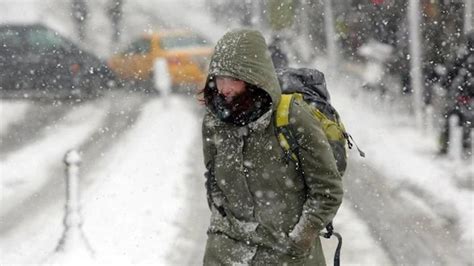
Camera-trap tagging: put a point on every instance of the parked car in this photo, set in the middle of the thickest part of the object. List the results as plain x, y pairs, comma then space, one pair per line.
37, 59
186, 53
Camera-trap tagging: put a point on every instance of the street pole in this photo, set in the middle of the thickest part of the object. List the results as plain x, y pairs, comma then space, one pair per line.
468, 16
330, 35
415, 60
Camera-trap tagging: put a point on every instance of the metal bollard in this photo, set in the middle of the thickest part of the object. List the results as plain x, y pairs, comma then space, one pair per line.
73, 239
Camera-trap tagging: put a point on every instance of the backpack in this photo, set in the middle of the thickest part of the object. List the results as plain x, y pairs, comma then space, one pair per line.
309, 86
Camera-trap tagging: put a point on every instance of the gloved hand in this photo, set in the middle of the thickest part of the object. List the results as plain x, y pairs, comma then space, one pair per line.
304, 234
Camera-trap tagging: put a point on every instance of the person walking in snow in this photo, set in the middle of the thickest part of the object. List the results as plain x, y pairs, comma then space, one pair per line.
459, 82
265, 210
80, 12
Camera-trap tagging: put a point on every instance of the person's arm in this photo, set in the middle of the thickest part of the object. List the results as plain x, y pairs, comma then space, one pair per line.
320, 174
214, 194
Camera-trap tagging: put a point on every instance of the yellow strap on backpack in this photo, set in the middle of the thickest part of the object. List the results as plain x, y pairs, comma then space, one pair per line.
282, 119
283, 110
332, 129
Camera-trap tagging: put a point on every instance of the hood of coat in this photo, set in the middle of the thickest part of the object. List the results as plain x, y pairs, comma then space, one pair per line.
243, 54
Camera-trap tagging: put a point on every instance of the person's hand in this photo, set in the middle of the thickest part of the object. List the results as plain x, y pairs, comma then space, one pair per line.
303, 236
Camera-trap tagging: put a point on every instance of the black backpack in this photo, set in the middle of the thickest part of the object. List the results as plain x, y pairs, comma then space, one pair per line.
309, 86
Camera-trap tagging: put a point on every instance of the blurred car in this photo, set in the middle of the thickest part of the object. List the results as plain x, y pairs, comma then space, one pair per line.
36, 58
186, 53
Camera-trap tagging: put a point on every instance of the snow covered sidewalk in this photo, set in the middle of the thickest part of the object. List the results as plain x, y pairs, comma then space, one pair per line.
134, 210
406, 156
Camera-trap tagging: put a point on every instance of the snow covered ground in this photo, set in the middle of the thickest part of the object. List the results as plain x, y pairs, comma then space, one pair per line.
395, 146
136, 210
143, 188
133, 211
23, 172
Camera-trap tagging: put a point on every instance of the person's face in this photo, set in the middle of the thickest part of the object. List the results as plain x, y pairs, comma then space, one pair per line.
230, 88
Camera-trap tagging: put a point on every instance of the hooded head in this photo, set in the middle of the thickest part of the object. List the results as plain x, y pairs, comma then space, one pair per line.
242, 55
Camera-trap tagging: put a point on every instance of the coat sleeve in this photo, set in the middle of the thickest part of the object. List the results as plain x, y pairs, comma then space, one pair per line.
323, 181
214, 194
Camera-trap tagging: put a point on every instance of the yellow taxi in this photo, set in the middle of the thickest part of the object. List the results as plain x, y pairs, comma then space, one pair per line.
186, 53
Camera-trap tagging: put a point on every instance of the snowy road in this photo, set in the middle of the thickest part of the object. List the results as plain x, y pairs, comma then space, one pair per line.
117, 113
131, 144
412, 228
37, 118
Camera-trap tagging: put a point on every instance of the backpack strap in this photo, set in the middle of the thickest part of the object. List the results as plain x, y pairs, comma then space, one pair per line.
283, 110
284, 133
330, 232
